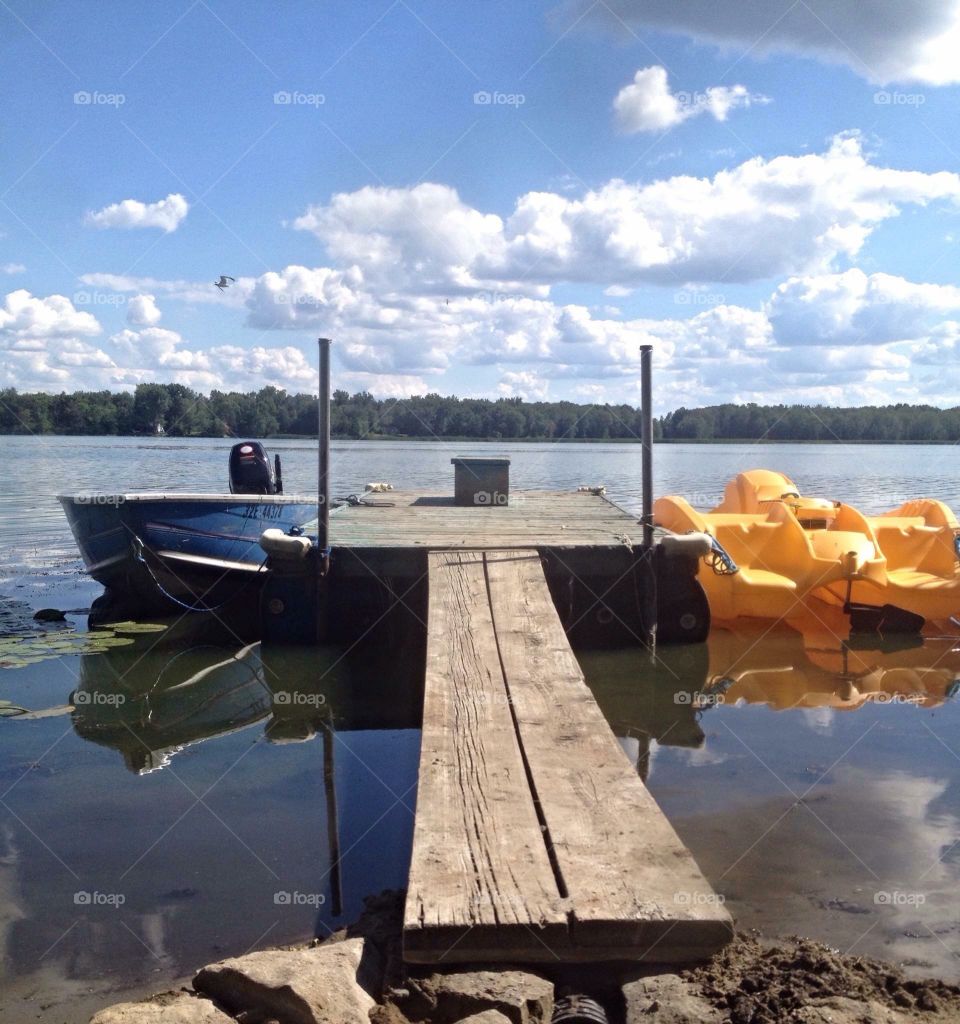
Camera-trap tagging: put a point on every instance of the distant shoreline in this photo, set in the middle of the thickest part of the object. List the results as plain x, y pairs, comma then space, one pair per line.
460, 439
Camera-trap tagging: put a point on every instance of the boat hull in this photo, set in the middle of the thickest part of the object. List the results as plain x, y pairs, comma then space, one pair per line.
163, 549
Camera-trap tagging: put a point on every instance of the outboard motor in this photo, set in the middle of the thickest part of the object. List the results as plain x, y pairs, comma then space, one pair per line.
251, 471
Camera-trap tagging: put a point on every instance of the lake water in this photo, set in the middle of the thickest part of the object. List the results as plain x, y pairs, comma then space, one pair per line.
196, 815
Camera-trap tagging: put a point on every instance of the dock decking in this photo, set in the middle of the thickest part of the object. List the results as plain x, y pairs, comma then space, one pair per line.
399, 526
535, 840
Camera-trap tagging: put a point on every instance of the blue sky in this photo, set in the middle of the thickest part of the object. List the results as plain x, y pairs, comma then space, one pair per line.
766, 191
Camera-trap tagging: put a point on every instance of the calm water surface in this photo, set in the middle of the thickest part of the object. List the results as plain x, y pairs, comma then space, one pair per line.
166, 803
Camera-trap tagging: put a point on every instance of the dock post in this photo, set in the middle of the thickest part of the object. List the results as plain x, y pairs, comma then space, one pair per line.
648, 581
323, 487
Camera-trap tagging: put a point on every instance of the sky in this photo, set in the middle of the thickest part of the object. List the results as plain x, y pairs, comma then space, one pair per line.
484, 199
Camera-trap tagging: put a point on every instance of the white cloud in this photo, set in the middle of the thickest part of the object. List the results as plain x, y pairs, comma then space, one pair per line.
424, 238
166, 214
142, 311
524, 384
648, 105
761, 219
854, 308
300, 297
880, 40
12, 268
383, 385
25, 316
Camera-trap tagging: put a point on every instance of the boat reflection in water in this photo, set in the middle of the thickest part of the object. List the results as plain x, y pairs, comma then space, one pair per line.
211, 797
793, 668
813, 778
664, 699
255, 776
150, 705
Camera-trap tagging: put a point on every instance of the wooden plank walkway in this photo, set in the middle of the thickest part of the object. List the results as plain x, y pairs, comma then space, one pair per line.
535, 840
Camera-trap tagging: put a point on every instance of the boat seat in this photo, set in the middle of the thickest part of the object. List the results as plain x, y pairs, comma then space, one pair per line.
914, 579
765, 578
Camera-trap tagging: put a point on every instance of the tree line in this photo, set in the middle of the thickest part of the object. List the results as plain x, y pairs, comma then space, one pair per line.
178, 411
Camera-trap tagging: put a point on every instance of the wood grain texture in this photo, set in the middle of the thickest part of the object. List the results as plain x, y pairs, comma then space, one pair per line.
533, 519
479, 869
535, 840
632, 882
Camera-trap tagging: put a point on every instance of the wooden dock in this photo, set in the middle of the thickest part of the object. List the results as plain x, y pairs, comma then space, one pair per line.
397, 528
535, 840
591, 550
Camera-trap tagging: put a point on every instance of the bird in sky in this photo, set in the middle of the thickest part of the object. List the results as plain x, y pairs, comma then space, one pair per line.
222, 283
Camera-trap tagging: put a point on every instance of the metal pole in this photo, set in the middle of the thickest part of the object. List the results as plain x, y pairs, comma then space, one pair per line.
646, 441
647, 560
323, 481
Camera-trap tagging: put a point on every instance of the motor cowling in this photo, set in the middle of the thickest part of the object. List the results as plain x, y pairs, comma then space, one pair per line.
251, 471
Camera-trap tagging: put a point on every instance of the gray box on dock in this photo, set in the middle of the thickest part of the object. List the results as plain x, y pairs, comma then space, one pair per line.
481, 481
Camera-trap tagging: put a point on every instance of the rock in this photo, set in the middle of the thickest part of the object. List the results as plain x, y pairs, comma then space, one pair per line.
667, 999
335, 983
486, 1017
49, 615
520, 996
168, 1008
840, 1010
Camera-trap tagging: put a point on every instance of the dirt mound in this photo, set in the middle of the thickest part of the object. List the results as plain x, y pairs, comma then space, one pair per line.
776, 984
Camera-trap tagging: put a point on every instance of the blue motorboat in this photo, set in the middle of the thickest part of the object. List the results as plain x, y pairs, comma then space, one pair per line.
186, 551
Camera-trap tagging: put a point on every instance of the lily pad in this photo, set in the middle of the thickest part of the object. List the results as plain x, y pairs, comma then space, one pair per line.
135, 627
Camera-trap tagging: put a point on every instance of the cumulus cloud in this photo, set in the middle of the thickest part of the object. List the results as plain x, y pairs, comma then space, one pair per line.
26, 316
648, 105
166, 214
879, 40
142, 311
301, 297
424, 239
523, 384
383, 385
43, 347
778, 217
854, 308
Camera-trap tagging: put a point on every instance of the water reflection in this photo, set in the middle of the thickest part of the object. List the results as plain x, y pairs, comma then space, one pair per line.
817, 783
266, 794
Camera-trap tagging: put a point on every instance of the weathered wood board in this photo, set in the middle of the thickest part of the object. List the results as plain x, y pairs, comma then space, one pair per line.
535, 840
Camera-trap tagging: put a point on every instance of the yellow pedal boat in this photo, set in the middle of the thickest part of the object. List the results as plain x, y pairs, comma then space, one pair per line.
778, 554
